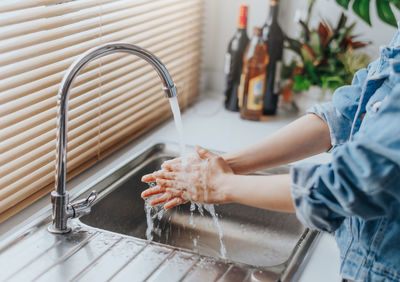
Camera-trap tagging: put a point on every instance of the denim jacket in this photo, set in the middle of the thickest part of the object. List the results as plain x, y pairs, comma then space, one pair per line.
357, 194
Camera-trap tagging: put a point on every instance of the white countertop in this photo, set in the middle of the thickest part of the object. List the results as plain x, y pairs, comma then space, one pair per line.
208, 124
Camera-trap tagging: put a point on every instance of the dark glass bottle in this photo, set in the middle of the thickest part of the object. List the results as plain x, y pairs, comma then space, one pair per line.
234, 61
273, 36
252, 82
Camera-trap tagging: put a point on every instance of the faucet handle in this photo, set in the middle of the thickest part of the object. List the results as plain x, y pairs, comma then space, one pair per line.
82, 207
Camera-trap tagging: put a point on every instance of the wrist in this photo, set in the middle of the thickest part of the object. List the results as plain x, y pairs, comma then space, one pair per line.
226, 186
228, 159
234, 162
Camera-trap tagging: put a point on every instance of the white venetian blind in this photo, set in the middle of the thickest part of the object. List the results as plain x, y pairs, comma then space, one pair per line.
113, 100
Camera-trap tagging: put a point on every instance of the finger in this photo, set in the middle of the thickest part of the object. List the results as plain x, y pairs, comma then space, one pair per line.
152, 191
184, 194
172, 167
174, 162
174, 192
167, 175
165, 197
174, 202
149, 177
168, 183
178, 193
204, 154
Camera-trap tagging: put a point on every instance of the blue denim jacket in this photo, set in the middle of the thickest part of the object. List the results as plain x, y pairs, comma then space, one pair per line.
357, 194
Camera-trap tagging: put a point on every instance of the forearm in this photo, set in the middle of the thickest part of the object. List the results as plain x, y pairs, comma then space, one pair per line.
306, 136
266, 192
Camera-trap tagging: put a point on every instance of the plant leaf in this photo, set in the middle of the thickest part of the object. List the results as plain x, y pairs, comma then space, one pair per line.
312, 72
301, 83
343, 3
307, 53
385, 12
315, 43
293, 44
331, 82
350, 29
342, 21
306, 30
360, 44
325, 33
396, 3
361, 8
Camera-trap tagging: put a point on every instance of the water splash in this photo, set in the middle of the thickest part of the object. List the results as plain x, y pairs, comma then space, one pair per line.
200, 208
211, 210
151, 214
150, 223
191, 219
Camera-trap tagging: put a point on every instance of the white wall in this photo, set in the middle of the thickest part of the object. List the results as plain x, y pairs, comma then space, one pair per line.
221, 21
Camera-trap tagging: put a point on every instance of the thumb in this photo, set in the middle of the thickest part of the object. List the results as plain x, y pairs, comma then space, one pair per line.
204, 154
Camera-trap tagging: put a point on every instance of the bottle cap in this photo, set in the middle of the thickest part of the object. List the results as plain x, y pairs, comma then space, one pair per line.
274, 3
242, 16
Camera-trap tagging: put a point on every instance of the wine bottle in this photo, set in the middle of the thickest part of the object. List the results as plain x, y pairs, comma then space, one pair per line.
252, 81
234, 61
273, 36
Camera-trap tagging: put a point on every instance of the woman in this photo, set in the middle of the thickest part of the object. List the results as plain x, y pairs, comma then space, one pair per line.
356, 195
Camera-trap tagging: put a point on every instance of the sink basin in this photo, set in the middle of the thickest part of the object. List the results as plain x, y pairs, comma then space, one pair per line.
251, 236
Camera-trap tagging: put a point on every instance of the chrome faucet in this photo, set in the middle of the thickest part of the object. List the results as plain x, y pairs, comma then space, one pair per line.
62, 208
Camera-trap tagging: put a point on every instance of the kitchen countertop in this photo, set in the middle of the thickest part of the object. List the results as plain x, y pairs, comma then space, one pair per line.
208, 124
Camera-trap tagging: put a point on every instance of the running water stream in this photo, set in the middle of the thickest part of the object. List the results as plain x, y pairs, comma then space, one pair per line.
179, 126
158, 211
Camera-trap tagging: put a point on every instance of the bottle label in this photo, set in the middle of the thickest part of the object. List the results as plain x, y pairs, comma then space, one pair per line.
255, 95
277, 78
227, 66
241, 89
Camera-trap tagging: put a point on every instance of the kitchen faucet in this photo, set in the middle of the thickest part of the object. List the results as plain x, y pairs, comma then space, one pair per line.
62, 208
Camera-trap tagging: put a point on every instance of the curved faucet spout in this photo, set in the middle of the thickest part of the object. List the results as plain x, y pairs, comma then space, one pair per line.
62, 209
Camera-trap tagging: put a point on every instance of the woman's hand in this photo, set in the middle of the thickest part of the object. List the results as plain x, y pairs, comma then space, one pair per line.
201, 179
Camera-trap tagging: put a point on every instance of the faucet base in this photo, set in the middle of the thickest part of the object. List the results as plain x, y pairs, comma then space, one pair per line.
55, 230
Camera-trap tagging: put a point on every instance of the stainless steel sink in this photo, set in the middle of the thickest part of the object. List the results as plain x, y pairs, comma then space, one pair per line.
254, 237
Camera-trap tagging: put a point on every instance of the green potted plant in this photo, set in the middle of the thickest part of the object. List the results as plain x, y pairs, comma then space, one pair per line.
325, 58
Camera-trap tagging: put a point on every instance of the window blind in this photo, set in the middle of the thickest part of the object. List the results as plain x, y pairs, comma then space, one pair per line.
114, 99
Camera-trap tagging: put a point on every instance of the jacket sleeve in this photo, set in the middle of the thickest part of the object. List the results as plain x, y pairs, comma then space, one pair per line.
363, 178
339, 113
